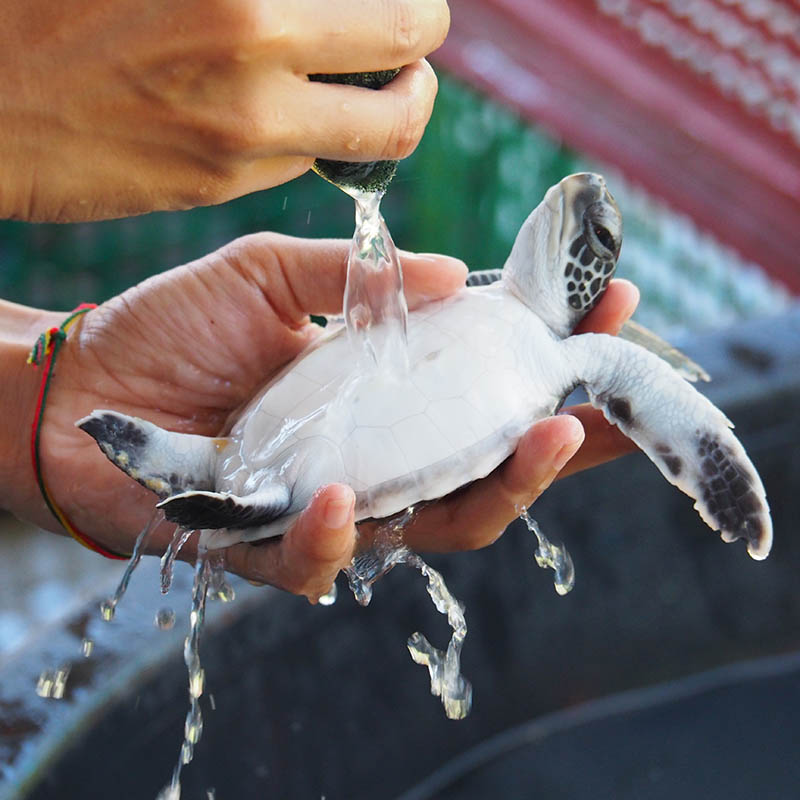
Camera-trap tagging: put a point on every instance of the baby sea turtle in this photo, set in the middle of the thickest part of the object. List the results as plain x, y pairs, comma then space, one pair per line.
484, 365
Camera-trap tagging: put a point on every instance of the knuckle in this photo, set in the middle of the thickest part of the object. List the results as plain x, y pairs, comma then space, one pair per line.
418, 27
407, 132
240, 135
251, 26
406, 29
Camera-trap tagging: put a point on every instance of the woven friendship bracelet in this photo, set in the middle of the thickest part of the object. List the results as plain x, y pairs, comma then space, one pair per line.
44, 354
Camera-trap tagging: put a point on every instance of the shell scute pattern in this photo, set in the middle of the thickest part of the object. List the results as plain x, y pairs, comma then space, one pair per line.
421, 441
457, 422
427, 375
386, 405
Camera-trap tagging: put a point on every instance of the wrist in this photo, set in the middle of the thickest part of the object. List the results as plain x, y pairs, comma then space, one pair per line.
19, 387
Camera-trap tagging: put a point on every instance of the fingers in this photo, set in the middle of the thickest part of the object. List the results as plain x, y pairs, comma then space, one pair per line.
338, 36
604, 441
307, 559
352, 123
614, 309
307, 276
476, 516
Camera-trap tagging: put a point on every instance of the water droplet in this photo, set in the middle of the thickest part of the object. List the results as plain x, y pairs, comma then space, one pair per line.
52, 683
165, 619
329, 598
87, 646
108, 609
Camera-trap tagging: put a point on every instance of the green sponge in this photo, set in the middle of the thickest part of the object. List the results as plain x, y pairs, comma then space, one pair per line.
372, 176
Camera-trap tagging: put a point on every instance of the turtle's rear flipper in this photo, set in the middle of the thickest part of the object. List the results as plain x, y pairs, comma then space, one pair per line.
163, 461
213, 510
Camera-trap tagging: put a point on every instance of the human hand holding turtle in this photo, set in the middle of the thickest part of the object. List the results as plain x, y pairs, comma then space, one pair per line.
113, 109
189, 347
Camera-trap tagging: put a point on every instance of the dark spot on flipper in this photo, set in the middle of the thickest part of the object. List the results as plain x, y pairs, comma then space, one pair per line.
595, 287
674, 465
114, 430
726, 488
128, 443
749, 504
179, 483
709, 467
575, 301
568, 270
620, 409
587, 256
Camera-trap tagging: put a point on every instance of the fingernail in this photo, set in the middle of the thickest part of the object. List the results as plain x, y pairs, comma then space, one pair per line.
569, 449
337, 512
440, 258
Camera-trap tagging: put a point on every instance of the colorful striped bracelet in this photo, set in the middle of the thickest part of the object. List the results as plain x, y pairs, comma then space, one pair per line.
44, 353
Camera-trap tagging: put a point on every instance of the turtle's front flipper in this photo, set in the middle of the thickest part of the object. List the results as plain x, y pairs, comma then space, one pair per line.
684, 434
680, 362
163, 461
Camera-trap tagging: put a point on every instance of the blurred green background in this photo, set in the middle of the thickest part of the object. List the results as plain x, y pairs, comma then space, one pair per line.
476, 175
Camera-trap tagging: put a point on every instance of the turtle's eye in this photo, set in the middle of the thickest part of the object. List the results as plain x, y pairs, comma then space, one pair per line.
605, 237
598, 229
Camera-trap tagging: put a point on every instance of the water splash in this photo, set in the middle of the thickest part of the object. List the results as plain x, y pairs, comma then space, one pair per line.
109, 606
193, 727
444, 667
385, 551
552, 555
179, 539
375, 309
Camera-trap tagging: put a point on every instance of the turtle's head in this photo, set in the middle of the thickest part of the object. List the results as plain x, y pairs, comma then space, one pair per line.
566, 251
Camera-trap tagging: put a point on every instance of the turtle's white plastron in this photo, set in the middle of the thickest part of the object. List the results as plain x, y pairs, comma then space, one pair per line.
484, 365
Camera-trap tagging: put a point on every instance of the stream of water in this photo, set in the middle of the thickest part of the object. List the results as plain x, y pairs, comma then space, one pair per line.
375, 310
